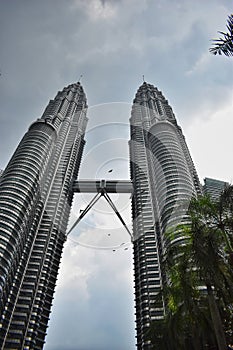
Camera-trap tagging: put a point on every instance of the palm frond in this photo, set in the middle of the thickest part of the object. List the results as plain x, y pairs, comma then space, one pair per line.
224, 45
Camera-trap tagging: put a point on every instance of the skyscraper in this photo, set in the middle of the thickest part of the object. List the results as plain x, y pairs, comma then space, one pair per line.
213, 187
35, 199
164, 179
36, 192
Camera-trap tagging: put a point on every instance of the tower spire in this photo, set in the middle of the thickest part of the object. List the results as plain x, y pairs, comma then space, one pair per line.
163, 178
37, 209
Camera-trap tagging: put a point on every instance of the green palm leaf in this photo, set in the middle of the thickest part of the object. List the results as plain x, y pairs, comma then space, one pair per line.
224, 45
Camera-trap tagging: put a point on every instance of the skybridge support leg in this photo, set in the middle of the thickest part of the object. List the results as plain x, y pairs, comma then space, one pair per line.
85, 211
108, 199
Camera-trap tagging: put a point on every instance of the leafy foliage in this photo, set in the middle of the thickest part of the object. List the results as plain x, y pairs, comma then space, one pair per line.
224, 45
198, 292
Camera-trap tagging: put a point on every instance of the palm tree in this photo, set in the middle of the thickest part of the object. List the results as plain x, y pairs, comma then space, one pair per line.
186, 324
201, 261
225, 219
224, 45
225, 222
207, 252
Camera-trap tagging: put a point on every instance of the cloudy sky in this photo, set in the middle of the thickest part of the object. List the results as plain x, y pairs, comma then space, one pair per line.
48, 44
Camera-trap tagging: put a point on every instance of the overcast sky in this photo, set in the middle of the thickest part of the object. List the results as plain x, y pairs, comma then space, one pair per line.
48, 44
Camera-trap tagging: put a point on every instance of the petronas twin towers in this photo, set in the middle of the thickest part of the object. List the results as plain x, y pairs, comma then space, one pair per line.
36, 192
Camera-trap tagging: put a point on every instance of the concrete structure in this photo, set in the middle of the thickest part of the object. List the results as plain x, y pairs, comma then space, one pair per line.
35, 200
213, 187
36, 192
164, 179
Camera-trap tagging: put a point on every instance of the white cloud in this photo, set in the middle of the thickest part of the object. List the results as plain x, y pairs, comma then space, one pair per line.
201, 64
97, 10
211, 143
99, 302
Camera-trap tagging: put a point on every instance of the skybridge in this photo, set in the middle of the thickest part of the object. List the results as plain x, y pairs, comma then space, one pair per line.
102, 188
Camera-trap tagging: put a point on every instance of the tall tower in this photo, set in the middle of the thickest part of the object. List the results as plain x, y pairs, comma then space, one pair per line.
164, 178
35, 199
213, 187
